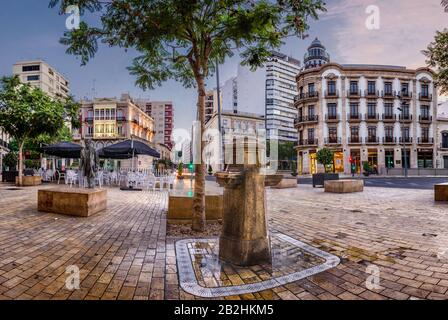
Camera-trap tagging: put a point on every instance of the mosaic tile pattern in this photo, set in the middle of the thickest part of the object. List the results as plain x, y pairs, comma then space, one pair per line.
202, 274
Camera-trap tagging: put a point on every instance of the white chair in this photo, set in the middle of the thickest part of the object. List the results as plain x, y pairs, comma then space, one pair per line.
170, 181
113, 177
71, 178
49, 175
150, 182
99, 178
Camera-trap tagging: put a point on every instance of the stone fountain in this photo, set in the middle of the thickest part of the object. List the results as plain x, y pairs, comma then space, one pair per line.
245, 239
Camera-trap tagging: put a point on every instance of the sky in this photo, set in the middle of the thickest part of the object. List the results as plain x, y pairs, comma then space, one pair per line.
30, 30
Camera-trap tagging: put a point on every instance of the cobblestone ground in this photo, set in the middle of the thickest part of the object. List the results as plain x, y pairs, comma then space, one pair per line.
123, 253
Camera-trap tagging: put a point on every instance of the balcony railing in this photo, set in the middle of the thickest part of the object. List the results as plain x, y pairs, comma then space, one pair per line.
88, 119
331, 140
332, 117
121, 118
371, 94
389, 117
354, 94
425, 97
371, 117
307, 142
425, 140
406, 95
405, 117
309, 118
405, 139
354, 140
354, 117
372, 139
306, 95
331, 94
389, 140
388, 94
424, 118
443, 146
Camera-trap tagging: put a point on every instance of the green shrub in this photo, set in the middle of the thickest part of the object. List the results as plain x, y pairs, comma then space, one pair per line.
325, 157
10, 160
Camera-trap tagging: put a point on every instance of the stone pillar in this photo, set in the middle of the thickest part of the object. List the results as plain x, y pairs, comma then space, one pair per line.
244, 239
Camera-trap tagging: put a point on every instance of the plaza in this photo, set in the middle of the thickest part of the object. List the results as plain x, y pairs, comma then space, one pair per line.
125, 252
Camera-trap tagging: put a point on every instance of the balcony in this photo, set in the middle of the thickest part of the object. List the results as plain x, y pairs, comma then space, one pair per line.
405, 139
88, 119
388, 94
306, 96
372, 140
389, 117
389, 140
425, 140
405, 117
425, 97
307, 142
121, 119
406, 95
354, 140
443, 146
425, 119
371, 94
333, 141
371, 117
354, 117
354, 94
332, 117
306, 119
331, 94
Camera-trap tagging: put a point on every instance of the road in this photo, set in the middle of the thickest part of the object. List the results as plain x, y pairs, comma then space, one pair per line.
396, 182
387, 182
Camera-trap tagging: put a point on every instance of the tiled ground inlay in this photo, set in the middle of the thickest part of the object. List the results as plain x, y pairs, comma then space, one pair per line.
202, 274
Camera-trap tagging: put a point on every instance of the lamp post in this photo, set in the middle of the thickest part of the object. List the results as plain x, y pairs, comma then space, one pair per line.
218, 93
401, 109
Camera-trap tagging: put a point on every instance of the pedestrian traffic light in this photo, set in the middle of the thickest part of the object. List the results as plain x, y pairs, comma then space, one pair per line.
350, 159
190, 167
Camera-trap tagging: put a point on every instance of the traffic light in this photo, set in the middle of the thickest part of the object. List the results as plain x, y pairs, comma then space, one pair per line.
190, 167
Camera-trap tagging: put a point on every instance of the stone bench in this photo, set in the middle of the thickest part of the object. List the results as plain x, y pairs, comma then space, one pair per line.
441, 192
73, 201
29, 181
286, 183
344, 186
180, 208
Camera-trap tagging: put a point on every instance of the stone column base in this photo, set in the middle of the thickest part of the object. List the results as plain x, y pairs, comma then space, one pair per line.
244, 252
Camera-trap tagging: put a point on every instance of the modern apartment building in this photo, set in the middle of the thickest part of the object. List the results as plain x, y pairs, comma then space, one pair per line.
211, 104
40, 74
269, 91
163, 114
365, 113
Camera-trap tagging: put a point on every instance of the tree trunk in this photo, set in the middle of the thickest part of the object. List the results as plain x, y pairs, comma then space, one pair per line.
21, 162
198, 220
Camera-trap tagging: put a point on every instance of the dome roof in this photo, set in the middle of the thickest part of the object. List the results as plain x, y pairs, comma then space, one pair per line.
316, 43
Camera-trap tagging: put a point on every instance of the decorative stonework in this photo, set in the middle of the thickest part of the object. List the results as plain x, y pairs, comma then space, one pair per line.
201, 273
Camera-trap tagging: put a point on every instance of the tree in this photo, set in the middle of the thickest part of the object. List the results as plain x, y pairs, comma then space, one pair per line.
10, 160
27, 113
185, 39
325, 157
437, 56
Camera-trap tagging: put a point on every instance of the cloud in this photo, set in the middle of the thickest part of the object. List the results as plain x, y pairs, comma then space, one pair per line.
406, 28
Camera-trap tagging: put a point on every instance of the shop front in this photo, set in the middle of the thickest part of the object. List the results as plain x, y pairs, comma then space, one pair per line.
425, 158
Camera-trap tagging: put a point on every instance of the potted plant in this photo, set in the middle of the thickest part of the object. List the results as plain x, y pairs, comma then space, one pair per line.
180, 171
367, 169
325, 157
293, 169
210, 170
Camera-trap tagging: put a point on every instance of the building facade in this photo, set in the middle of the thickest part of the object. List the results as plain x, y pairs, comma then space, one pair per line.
40, 74
442, 135
355, 111
238, 125
268, 91
163, 114
4, 146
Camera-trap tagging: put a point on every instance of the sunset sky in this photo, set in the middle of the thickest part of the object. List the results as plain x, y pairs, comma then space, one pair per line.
30, 30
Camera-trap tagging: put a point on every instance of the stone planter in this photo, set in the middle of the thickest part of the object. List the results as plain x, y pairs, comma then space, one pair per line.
320, 178
180, 208
9, 176
73, 201
286, 183
441, 192
344, 186
29, 181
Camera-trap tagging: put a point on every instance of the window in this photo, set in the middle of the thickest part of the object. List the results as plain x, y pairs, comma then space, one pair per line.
405, 134
311, 88
445, 140
331, 88
371, 110
311, 134
424, 111
333, 134
405, 111
89, 130
388, 88
389, 110
97, 114
425, 90
332, 111
311, 112
371, 131
33, 78
354, 110
353, 87
425, 134
371, 87
31, 68
405, 89
389, 133
354, 134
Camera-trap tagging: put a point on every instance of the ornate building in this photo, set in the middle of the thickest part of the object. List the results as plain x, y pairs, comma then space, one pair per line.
355, 111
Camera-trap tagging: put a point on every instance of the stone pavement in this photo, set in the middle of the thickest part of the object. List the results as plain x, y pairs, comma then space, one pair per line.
123, 253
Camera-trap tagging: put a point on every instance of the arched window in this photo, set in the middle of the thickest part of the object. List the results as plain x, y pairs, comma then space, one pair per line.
445, 139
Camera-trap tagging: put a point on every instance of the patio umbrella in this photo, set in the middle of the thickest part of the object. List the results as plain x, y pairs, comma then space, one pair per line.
63, 150
127, 149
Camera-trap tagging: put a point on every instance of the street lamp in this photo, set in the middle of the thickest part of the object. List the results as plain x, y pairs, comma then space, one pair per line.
401, 109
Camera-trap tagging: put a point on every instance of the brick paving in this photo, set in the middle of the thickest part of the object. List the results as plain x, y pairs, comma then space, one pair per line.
123, 253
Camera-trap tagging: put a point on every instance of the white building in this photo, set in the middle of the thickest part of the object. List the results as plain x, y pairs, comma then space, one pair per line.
40, 74
4, 146
442, 134
268, 91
